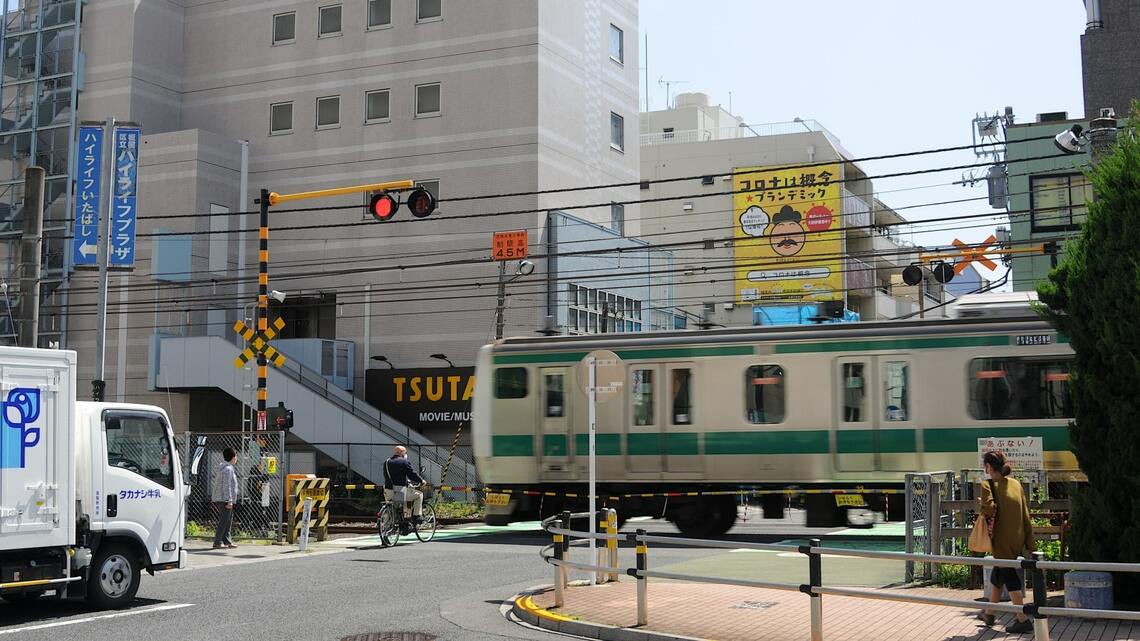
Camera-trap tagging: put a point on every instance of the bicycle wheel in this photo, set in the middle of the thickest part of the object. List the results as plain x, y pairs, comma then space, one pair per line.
425, 530
388, 526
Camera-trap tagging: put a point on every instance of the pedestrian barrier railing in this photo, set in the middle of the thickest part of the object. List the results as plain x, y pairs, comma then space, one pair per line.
557, 554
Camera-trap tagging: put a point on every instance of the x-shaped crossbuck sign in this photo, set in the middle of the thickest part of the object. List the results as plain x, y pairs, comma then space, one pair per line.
259, 344
978, 253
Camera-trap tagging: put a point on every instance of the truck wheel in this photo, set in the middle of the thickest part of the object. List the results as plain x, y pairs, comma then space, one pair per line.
114, 577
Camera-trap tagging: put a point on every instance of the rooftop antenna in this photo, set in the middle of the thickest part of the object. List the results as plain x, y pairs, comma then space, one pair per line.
668, 84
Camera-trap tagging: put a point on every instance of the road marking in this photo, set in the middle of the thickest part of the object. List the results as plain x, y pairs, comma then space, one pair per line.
114, 615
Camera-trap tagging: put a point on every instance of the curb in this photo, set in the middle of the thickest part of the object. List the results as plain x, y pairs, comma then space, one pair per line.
524, 607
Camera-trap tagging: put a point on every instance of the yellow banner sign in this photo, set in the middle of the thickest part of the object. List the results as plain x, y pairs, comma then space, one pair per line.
789, 239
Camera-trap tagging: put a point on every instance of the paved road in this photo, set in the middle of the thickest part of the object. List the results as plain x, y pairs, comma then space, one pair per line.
451, 588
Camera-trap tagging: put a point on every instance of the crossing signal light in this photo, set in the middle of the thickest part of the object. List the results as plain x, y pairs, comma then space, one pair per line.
383, 206
280, 417
421, 203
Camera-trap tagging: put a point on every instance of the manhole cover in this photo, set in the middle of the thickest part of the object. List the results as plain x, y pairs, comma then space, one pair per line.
391, 637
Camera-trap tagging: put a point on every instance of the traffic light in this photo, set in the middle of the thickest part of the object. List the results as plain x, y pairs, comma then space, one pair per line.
279, 417
383, 206
421, 203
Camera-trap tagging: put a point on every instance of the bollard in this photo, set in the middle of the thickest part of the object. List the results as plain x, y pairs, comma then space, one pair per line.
642, 581
306, 515
1040, 596
612, 542
815, 580
566, 547
559, 596
602, 551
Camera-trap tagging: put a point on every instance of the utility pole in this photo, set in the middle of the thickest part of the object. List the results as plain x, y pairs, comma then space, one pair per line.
501, 300
31, 247
98, 384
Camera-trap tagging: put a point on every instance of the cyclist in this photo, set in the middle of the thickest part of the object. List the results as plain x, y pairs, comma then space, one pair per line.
398, 471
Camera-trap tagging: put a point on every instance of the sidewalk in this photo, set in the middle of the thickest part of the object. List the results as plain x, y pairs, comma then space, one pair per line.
683, 610
202, 555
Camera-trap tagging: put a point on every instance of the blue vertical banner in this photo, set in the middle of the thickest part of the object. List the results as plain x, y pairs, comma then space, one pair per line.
124, 201
89, 171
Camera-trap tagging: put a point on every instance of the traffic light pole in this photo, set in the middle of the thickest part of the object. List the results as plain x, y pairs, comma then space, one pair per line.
262, 303
98, 384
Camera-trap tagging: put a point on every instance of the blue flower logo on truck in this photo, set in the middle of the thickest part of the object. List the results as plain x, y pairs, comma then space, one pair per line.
16, 435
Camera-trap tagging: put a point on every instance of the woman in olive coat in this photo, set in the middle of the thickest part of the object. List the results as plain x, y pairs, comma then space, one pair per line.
1002, 499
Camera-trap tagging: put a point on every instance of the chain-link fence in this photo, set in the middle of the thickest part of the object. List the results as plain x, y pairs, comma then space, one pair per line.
924, 495
260, 470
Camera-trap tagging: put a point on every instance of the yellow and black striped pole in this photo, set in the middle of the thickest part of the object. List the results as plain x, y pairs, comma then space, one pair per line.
262, 303
451, 454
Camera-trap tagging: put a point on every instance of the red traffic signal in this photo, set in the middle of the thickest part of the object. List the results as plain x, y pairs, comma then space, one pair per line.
421, 203
383, 206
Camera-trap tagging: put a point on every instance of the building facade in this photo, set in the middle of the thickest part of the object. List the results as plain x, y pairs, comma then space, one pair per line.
472, 101
832, 242
1110, 60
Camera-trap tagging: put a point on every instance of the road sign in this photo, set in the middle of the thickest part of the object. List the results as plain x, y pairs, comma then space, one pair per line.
970, 254
89, 171
509, 245
124, 206
259, 344
608, 377
261, 421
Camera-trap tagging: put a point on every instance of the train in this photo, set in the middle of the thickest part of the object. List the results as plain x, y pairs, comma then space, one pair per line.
687, 417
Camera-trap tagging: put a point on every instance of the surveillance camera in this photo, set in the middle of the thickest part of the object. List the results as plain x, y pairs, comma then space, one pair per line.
1069, 141
278, 296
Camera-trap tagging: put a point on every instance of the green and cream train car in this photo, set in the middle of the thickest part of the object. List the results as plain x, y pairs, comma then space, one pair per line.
824, 406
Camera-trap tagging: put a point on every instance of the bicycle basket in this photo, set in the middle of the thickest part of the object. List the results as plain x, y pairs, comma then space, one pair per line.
428, 490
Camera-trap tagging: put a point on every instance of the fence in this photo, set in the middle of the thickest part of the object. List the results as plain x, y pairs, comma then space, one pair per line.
940, 508
260, 471
557, 554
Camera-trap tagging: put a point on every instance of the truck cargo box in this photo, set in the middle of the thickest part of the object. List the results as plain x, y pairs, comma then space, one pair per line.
37, 448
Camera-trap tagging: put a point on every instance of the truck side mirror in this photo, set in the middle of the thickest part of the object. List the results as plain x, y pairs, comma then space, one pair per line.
197, 459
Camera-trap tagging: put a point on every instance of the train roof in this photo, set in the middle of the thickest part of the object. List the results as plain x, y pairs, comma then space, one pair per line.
760, 334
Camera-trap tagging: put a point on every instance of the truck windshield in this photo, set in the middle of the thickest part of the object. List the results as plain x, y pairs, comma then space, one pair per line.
139, 444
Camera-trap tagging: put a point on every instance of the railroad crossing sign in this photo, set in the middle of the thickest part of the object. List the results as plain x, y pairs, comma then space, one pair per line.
259, 344
978, 253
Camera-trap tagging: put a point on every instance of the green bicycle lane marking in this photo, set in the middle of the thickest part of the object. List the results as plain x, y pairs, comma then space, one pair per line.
446, 534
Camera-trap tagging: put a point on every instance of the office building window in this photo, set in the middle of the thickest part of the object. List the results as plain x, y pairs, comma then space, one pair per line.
328, 22
427, 100
617, 218
428, 10
281, 118
617, 132
376, 106
328, 112
1057, 203
379, 14
617, 45
284, 28
592, 311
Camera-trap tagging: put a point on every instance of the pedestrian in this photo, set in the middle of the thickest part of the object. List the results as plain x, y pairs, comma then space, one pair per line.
1003, 499
224, 497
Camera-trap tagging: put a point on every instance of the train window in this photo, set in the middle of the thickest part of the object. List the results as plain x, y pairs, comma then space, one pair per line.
896, 391
854, 392
510, 382
555, 395
1020, 388
643, 398
682, 397
764, 393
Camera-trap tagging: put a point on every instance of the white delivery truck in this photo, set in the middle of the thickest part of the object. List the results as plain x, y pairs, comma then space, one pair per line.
91, 494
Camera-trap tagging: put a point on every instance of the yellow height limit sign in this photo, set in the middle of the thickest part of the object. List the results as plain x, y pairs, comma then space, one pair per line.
259, 344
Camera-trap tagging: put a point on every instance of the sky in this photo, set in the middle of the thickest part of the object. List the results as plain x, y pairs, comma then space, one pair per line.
884, 76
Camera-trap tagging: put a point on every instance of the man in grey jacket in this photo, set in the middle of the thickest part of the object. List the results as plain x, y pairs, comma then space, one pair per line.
224, 496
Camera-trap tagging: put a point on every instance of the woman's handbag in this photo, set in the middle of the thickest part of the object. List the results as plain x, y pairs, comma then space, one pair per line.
981, 537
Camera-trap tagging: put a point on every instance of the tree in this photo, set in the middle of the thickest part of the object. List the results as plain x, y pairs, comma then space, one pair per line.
1093, 297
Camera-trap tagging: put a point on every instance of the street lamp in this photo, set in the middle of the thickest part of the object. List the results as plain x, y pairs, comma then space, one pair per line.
441, 357
524, 268
384, 359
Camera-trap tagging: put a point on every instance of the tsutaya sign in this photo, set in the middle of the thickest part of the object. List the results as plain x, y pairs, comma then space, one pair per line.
423, 398
1022, 452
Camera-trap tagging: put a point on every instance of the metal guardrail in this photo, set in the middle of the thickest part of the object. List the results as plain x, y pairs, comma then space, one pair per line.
559, 527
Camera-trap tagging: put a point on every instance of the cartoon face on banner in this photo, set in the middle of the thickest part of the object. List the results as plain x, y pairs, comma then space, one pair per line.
789, 240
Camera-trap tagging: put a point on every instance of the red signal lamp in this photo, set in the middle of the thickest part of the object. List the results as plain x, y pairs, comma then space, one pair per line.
421, 203
383, 206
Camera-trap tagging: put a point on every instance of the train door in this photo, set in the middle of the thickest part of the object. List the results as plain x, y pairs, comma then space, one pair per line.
874, 422
645, 437
682, 444
556, 446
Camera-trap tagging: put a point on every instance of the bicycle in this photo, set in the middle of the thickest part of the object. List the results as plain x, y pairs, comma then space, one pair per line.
391, 528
